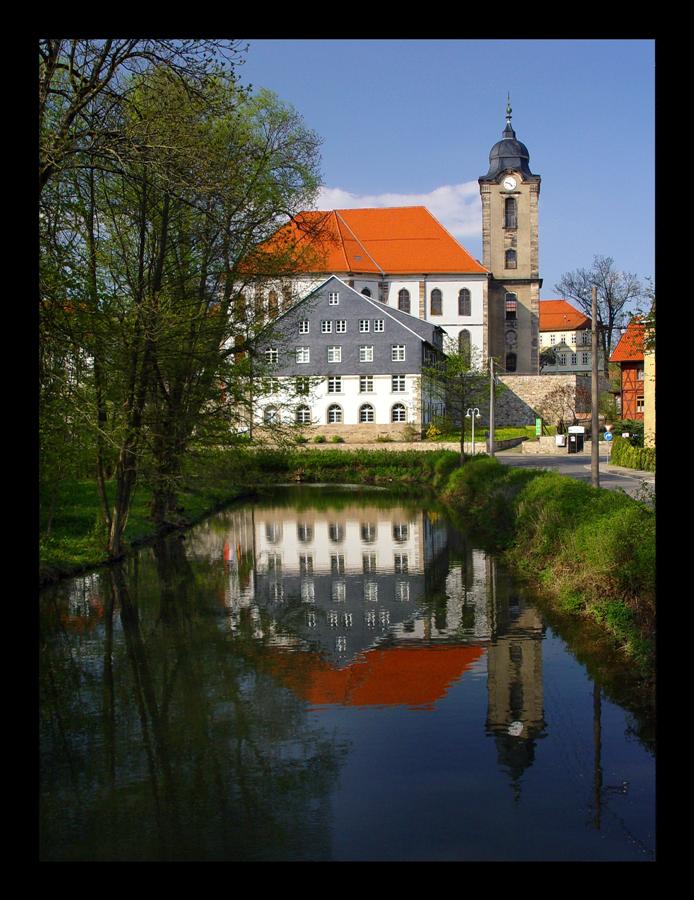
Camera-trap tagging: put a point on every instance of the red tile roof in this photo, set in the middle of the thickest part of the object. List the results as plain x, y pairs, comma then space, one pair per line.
393, 240
560, 315
630, 346
411, 676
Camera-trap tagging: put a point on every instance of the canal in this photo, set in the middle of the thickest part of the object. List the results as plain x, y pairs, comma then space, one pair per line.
328, 674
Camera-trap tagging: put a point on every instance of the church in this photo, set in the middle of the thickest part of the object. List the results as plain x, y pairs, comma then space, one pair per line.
404, 261
407, 260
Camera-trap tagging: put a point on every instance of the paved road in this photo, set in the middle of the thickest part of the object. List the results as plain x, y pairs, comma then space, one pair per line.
577, 465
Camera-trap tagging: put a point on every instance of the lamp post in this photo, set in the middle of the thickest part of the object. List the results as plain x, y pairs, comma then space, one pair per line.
474, 413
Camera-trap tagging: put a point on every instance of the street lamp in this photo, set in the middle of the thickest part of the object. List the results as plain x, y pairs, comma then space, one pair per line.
474, 413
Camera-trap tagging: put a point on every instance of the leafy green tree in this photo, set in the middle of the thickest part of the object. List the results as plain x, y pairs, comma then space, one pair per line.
460, 382
142, 264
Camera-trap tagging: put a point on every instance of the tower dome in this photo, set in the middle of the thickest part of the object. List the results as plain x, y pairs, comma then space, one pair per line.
508, 154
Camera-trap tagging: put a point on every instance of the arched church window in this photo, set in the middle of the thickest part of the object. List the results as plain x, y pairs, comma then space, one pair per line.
511, 259
464, 343
436, 302
404, 300
464, 305
510, 213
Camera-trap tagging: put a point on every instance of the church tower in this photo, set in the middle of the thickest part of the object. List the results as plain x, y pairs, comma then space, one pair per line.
510, 247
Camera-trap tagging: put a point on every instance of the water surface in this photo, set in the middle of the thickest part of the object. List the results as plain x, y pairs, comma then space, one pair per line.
327, 675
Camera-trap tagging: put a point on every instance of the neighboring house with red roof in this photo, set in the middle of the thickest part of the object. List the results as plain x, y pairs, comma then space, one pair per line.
567, 331
400, 256
629, 355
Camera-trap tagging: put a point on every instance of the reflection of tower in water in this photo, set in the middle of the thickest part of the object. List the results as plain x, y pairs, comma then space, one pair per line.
515, 712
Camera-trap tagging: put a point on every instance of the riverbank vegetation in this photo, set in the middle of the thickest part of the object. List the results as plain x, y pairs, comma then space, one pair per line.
590, 552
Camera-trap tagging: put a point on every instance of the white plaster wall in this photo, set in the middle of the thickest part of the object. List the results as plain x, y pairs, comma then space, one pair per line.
382, 399
321, 548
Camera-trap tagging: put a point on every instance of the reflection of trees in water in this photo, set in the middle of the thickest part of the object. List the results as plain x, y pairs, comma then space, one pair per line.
173, 747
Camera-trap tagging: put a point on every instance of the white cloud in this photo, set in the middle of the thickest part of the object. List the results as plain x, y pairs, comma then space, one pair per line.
456, 206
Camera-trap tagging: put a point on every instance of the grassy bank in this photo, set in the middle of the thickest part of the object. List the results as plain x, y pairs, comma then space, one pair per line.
591, 552
74, 539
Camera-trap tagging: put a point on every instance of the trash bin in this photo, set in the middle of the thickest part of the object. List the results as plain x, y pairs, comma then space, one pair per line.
576, 438
575, 443
561, 440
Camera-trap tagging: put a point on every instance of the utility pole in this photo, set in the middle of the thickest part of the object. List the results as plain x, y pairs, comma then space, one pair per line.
595, 435
491, 406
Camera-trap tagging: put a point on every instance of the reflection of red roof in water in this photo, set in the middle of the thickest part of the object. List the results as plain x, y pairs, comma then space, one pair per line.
392, 676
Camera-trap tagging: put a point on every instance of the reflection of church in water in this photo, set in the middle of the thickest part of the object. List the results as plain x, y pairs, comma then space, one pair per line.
362, 605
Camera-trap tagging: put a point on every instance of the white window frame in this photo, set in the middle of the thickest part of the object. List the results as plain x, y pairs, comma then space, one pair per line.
303, 415
334, 298
335, 384
272, 354
379, 325
367, 413
335, 354
366, 354
585, 358
304, 326
303, 355
364, 326
331, 420
402, 416
367, 380
398, 384
341, 326
326, 326
397, 353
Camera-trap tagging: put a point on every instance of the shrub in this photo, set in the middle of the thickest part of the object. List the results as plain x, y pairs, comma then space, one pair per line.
336, 439
319, 439
624, 453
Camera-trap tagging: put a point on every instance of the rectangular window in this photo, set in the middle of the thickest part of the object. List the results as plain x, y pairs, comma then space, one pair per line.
585, 358
341, 326
326, 327
304, 326
366, 354
306, 563
379, 325
639, 405
303, 385
561, 359
333, 298
400, 563
334, 354
272, 355
337, 564
335, 385
511, 307
639, 374
366, 384
338, 592
398, 353
572, 338
371, 591
368, 562
397, 383
364, 325
573, 359
303, 355
402, 591
552, 339
271, 386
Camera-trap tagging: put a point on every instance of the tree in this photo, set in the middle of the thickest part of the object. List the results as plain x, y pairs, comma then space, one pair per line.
562, 403
74, 74
459, 381
548, 357
147, 257
616, 292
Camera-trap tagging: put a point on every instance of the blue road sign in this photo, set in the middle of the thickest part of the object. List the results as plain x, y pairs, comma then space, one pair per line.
608, 436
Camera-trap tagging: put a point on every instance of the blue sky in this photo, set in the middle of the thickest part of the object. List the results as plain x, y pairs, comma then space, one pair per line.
407, 122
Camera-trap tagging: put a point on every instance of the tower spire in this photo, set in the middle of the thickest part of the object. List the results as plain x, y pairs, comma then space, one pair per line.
508, 108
